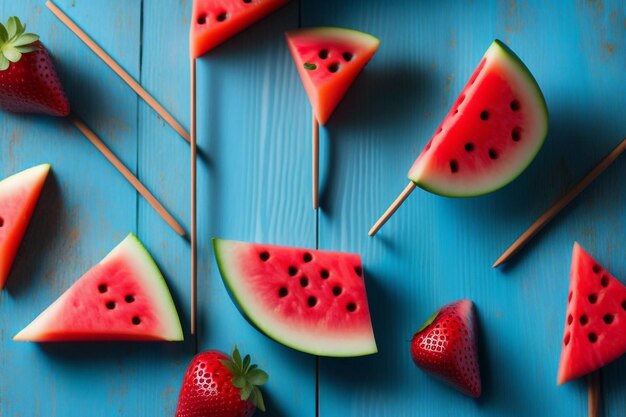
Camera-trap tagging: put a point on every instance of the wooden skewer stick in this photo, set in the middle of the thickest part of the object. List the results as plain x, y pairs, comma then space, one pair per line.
151, 101
95, 140
594, 394
316, 162
392, 209
561, 204
194, 241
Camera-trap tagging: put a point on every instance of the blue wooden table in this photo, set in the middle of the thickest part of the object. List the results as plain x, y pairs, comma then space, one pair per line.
254, 184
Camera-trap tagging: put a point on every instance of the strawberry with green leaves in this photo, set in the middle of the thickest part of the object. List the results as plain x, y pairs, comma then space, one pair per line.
216, 385
446, 347
28, 79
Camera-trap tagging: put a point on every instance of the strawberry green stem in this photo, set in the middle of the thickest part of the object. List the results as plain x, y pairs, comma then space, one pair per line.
14, 41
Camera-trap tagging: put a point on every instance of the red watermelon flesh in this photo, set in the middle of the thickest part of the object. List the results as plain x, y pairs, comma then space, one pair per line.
491, 134
19, 194
124, 297
595, 324
214, 21
328, 60
310, 300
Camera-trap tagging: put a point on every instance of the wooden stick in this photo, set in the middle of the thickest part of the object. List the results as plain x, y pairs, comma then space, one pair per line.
392, 209
194, 241
561, 204
316, 162
594, 394
95, 140
151, 101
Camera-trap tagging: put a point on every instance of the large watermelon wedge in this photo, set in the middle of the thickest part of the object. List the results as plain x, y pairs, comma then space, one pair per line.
124, 297
310, 300
595, 324
328, 60
19, 194
214, 21
491, 134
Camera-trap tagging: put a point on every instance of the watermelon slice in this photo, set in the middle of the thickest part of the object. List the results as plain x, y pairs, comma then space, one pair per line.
124, 297
310, 300
214, 21
595, 325
19, 194
492, 133
328, 60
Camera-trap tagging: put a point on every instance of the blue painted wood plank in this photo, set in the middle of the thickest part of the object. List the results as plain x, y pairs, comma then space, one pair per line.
86, 208
245, 123
254, 185
435, 250
163, 165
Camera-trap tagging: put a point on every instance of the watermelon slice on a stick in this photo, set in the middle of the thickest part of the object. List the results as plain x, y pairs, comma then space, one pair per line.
19, 194
213, 22
328, 60
595, 323
310, 300
122, 298
492, 133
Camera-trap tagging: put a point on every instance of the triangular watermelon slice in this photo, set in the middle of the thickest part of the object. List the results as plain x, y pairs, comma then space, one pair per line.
124, 297
491, 134
19, 194
595, 324
214, 21
328, 60
310, 300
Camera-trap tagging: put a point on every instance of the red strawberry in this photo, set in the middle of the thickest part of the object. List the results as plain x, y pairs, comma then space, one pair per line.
216, 385
28, 80
446, 347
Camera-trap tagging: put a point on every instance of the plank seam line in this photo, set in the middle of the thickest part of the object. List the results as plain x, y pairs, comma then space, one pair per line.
317, 246
138, 113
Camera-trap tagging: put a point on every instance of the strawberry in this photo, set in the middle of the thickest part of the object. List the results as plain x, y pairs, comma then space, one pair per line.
446, 347
216, 385
28, 80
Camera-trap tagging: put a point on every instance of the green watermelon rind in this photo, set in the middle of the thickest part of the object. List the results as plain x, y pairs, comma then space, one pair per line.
532, 82
249, 317
166, 296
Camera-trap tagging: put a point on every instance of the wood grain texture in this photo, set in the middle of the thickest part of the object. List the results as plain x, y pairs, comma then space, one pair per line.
560, 204
86, 208
254, 182
435, 250
118, 69
246, 190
